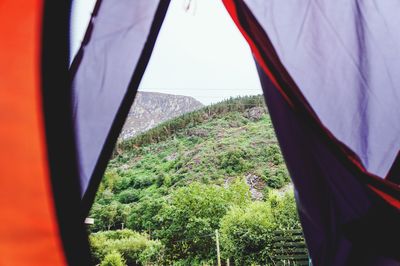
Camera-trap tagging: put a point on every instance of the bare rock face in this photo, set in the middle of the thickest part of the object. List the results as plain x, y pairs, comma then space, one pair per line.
255, 113
152, 108
256, 185
198, 132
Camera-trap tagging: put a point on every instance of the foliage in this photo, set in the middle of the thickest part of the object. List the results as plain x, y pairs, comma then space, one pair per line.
191, 216
178, 182
114, 258
234, 161
276, 174
153, 254
284, 210
276, 177
136, 248
109, 216
142, 217
129, 195
224, 145
247, 233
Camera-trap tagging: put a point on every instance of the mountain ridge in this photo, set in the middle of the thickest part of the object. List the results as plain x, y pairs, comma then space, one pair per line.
151, 108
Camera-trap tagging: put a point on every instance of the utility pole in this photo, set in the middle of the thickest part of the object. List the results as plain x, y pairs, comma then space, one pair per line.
217, 240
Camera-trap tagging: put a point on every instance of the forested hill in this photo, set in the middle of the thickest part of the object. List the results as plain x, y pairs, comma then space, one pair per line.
219, 167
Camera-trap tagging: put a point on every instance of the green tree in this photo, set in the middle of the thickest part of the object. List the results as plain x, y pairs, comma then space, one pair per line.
143, 215
135, 248
113, 259
247, 232
284, 210
129, 196
192, 214
110, 216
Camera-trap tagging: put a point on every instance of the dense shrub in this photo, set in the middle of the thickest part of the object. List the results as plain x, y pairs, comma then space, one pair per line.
284, 210
123, 183
247, 233
143, 181
273, 154
191, 216
135, 248
153, 254
108, 181
114, 258
276, 176
143, 216
106, 196
234, 161
129, 196
164, 180
109, 216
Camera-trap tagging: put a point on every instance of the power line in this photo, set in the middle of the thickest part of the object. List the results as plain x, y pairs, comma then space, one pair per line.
191, 238
200, 89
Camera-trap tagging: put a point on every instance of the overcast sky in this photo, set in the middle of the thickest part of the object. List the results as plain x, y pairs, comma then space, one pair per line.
198, 52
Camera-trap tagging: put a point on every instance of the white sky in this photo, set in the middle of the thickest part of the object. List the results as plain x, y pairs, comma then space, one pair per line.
199, 52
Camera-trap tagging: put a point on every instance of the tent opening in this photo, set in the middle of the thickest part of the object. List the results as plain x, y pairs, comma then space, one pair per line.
197, 174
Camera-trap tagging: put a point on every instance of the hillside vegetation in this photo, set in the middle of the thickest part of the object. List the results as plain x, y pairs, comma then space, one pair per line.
166, 191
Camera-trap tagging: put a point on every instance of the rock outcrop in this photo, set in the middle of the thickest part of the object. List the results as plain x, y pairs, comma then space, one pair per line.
152, 108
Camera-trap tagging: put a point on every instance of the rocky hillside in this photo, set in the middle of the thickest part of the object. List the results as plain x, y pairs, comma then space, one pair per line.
170, 188
152, 108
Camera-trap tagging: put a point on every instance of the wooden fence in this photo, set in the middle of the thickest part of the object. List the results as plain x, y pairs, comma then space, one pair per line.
289, 248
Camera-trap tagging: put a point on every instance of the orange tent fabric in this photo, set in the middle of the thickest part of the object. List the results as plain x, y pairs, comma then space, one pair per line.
29, 233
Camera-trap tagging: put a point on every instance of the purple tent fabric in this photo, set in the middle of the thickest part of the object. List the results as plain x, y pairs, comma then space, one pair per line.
106, 73
345, 57
329, 83
330, 200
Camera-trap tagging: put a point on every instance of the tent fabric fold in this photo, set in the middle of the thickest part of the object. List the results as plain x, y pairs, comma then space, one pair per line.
337, 157
106, 74
343, 56
343, 222
269, 60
